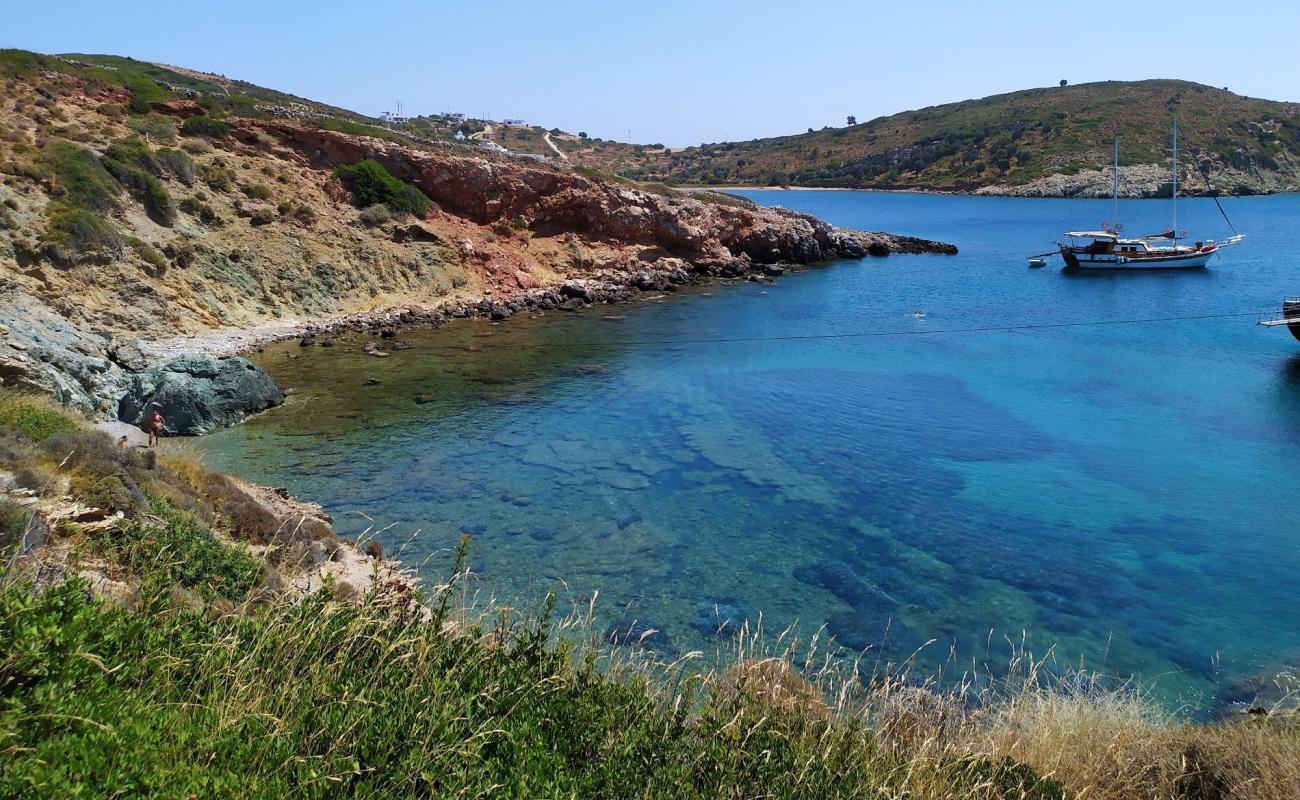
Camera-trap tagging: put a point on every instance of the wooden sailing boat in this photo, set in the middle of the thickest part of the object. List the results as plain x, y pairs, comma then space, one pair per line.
1108, 249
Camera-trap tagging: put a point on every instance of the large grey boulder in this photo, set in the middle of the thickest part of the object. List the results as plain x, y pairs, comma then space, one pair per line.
198, 393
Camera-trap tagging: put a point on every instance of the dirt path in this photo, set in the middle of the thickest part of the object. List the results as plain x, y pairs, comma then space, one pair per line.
546, 137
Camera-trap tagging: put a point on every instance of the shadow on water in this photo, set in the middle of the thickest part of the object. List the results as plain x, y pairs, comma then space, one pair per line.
1290, 373
1201, 274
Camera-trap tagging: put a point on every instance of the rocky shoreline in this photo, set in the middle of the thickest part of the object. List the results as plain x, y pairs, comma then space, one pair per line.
226, 276
604, 287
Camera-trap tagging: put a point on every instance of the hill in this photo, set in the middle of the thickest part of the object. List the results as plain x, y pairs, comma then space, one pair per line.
143, 201
1013, 143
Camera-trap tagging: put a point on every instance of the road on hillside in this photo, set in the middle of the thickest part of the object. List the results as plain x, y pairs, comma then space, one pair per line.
546, 137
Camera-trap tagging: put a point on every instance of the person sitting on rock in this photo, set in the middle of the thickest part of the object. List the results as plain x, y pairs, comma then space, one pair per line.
154, 425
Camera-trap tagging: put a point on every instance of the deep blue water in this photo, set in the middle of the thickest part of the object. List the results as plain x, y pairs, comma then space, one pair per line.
1125, 492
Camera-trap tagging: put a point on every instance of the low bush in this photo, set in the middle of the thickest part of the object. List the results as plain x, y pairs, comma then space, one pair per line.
133, 152
13, 524
149, 254
145, 187
80, 232
179, 549
377, 214
206, 213
108, 492
372, 184
158, 128
218, 177
262, 216
257, 191
180, 252
205, 127
81, 177
144, 93
38, 418
176, 163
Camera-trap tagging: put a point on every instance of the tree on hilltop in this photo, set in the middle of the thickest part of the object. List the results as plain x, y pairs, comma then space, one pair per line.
853, 120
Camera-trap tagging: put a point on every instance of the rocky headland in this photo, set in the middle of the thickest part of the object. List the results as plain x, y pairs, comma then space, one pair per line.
223, 271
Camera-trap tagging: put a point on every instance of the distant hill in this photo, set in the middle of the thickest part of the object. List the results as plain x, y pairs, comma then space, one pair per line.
1011, 143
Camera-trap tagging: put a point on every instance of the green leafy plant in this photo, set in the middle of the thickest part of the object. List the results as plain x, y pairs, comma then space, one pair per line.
372, 184
205, 127
81, 177
144, 93
35, 417
180, 549
81, 231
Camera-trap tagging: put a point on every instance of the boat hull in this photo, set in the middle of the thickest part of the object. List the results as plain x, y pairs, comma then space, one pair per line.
1181, 261
1291, 310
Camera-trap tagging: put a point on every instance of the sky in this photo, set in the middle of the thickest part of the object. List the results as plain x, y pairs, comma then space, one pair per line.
677, 73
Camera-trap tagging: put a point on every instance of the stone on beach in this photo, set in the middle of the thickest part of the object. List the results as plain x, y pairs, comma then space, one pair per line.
198, 394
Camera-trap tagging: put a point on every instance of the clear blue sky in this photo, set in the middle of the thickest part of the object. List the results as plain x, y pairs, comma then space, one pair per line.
678, 72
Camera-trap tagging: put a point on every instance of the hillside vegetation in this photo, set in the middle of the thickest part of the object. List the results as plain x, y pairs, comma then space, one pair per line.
1248, 145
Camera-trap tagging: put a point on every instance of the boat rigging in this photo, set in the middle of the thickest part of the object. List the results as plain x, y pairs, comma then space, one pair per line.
1109, 249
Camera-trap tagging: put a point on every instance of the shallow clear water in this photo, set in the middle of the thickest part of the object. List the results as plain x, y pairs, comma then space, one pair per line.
812, 451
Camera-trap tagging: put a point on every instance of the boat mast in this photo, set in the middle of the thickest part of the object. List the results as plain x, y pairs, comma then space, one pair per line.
1175, 182
1114, 192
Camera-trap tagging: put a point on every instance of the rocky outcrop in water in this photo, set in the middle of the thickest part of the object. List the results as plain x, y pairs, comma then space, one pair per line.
198, 394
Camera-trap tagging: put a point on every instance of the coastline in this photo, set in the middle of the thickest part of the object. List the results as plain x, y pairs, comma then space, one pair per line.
992, 190
605, 287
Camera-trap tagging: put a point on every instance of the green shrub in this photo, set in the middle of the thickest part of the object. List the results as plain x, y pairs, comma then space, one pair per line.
145, 187
176, 163
13, 524
149, 254
111, 109
377, 214
81, 177
20, 63
159, 128
82, 231
219, 178
133, 152
262, 216
353, 128
108, 492
34, 417
371, 184
305, 214
181, 550
205, 127
144, 92
257, 191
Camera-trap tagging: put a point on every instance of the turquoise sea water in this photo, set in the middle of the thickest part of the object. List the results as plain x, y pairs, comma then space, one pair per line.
812, 451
